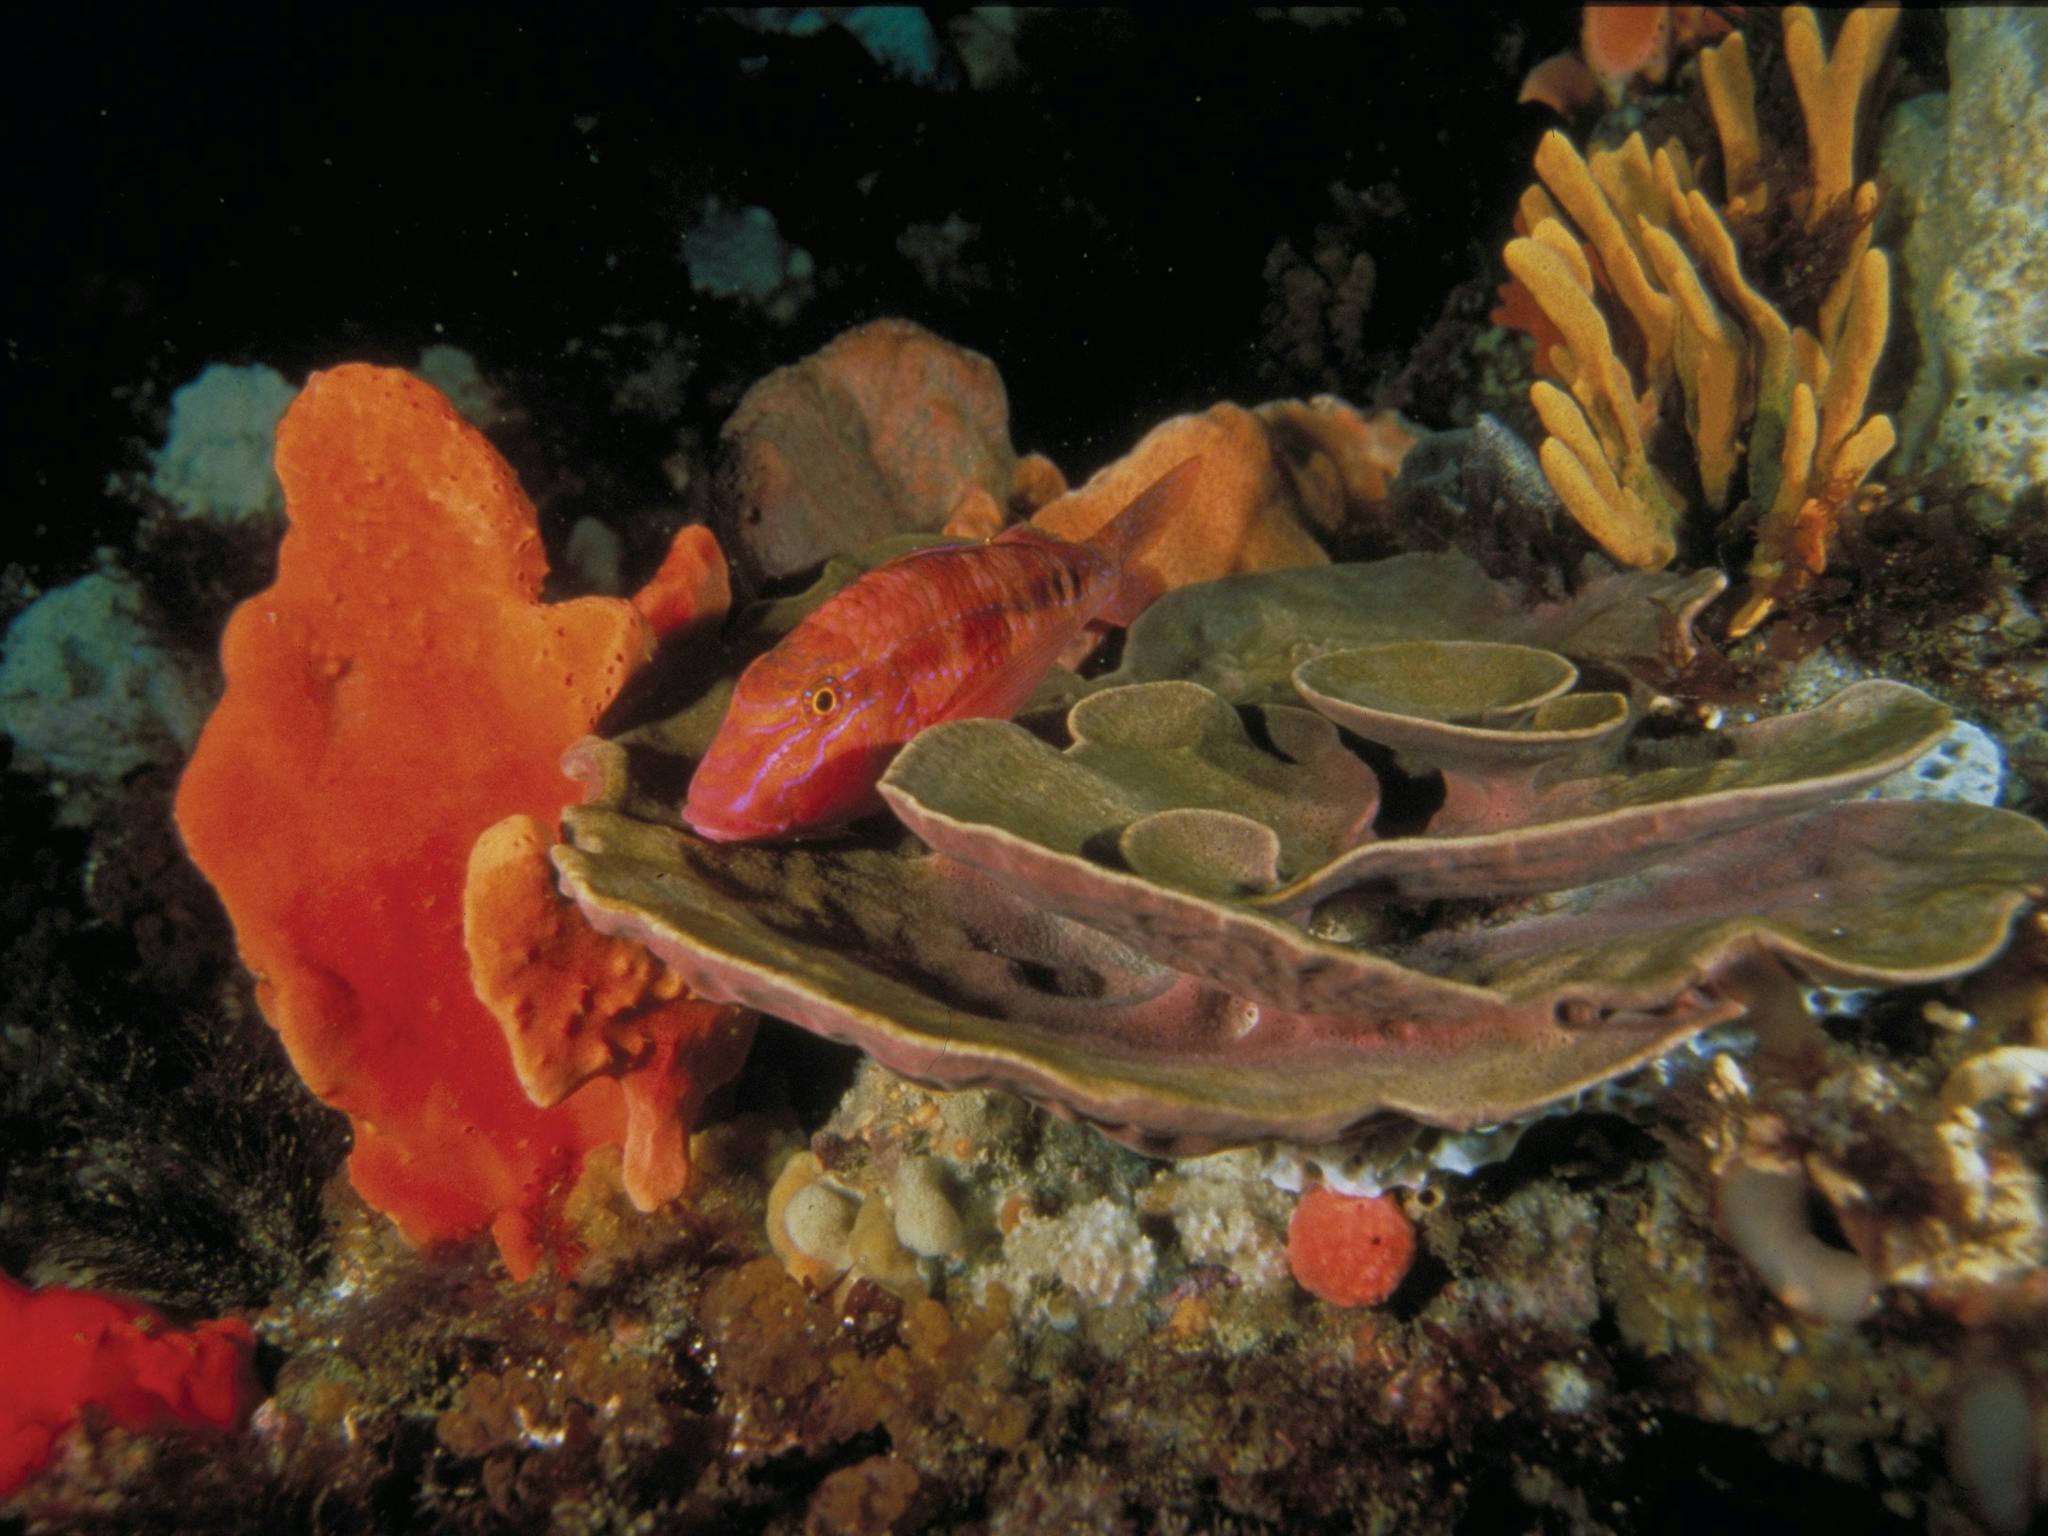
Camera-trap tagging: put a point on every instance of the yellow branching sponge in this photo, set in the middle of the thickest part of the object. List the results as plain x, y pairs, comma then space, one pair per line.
1625, 241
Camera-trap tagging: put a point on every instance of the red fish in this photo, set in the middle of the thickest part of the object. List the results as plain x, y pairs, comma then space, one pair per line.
939, 634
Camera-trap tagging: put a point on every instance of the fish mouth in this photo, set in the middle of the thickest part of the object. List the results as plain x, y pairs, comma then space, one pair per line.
723, 827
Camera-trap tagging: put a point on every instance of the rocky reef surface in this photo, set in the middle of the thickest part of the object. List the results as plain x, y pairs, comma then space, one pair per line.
1563, 1067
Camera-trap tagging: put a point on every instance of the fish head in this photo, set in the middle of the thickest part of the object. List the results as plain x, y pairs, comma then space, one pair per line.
801, 749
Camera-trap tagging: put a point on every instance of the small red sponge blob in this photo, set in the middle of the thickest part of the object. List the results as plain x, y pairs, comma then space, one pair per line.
69, 1350
1348, 1249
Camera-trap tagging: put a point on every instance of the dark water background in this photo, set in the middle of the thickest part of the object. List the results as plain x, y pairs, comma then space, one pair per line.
307, 189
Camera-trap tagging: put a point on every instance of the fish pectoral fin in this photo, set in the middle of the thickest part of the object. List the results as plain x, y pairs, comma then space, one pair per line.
1001, 691
1082, 644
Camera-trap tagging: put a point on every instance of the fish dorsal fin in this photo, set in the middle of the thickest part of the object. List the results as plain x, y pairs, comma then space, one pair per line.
1126, 536
1024, 533
923, 552
1148, 512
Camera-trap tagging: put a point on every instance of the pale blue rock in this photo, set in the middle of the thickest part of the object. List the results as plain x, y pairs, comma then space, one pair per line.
216, 463
456, 374
740, 253
1966, 767
900, 38
89, 693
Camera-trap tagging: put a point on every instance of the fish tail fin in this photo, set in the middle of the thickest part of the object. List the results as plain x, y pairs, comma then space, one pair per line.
1126, 537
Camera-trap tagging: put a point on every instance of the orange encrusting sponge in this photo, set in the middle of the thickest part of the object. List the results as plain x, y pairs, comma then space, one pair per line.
398, 689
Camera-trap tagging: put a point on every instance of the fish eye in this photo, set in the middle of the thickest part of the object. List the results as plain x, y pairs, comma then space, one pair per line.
823, 698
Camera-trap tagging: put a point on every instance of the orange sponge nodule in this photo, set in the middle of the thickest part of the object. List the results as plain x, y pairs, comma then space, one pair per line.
1351, 1250
1625, 43
691, 590
70, 1350
576, 1005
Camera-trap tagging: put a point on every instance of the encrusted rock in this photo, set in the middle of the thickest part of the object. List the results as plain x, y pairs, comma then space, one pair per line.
926, 1221
877, 433
1971, 171
1095, 1251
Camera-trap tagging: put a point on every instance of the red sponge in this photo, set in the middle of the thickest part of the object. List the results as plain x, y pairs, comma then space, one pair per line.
1348, 1249
65, 1350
